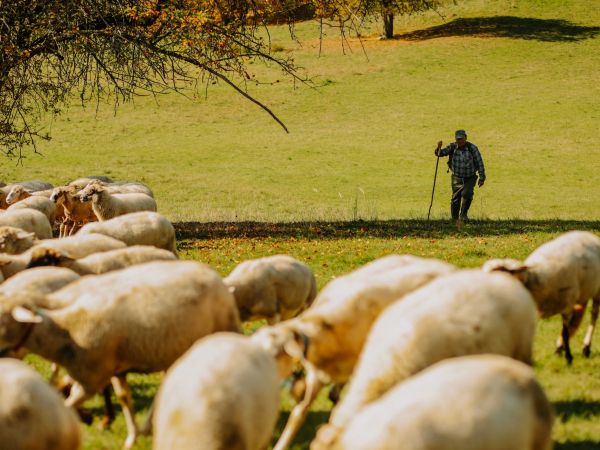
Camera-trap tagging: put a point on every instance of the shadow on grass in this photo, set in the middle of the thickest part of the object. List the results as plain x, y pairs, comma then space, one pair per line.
547, 30
378, 228
580, 408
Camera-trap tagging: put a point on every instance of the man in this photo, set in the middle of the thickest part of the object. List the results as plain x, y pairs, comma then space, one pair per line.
465, 162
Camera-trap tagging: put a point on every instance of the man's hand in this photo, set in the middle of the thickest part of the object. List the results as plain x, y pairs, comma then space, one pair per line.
480, 182
439, 145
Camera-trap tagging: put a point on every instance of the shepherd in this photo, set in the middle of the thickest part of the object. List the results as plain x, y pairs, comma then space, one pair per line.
465, 162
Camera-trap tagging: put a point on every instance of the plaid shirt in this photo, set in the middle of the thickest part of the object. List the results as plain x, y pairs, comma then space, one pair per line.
465, 162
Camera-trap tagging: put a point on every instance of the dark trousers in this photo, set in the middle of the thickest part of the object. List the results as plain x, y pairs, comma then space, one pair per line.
462, 195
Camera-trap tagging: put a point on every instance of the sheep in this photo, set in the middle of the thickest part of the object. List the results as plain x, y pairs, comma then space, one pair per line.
222, 394
104, 262
273, 288
141, 228
18, 193
140, 319
80, 183
114, 187
484, 402
128, 187
28, 220
463, 313
76, 213
562, 275
328, 337
15, 240
32, 414
34, 185
107, 206
39, 203
40, 281
75, 246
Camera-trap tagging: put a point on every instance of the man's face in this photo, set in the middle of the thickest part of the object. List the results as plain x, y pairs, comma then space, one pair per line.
461, 141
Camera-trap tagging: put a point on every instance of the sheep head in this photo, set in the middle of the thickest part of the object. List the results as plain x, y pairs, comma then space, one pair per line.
16, 194
14, 240
287, 345
92, 189
16, 320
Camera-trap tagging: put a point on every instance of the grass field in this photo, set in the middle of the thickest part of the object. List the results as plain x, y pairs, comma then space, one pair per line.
523, 77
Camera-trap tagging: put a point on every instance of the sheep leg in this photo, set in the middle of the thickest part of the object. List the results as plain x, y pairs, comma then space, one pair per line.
123, 392
298, 414
146, 429
587, 342
335, 392
62, 228
73, 228
77, 396
574, 323
54, 370
565, 337
109, 410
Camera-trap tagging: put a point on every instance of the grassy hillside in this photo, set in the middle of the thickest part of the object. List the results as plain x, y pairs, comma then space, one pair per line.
521, 76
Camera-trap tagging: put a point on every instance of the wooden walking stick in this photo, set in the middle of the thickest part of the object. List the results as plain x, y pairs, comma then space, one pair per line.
437, 162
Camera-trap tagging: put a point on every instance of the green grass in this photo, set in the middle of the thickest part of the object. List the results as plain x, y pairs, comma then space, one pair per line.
574, 391
361, 142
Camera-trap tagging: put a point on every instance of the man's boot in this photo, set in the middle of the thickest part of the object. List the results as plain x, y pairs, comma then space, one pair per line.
454, 210
466, 204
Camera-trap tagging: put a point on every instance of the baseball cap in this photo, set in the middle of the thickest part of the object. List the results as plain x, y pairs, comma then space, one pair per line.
460, 134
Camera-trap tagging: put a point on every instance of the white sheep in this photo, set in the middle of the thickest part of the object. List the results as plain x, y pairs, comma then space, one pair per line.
29, 220
33, 185
128, 187
18, 193
39, 281
32, 414
328, 337
464, 313
141, 228
39, 203
104, 262
43, 253
80, 183
562, 275
107, 206
484, 402
15, 240
274, 288
222, 394
139, 319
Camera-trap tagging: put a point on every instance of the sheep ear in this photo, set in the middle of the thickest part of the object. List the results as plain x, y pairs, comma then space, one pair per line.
520, 272
24, 315
24, 234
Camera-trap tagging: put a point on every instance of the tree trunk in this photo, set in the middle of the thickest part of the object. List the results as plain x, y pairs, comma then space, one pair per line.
388, 26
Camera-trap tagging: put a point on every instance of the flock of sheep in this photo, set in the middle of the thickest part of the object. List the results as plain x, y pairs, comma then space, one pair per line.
433, 357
